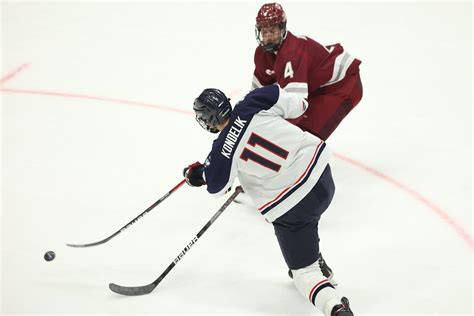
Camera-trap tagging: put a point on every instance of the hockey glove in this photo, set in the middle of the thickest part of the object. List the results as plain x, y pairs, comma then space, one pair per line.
194, 174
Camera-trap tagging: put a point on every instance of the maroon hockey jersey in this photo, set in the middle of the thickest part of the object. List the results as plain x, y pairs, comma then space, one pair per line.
304, 66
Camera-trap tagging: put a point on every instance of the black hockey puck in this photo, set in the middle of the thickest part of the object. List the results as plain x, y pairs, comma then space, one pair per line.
49, 256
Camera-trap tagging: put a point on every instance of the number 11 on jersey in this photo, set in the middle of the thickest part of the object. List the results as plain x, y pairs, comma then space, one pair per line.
255, 140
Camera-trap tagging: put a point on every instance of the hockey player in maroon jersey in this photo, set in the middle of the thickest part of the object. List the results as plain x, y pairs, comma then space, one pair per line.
284, 170
327, 76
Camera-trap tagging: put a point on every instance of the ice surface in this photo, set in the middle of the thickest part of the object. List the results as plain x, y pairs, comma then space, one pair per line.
97, 126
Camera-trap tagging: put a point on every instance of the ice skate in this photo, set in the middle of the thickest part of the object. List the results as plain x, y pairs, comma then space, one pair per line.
326, 270
342, 309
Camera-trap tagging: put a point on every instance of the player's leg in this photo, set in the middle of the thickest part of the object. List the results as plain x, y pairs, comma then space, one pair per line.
325, 269
312, 284
297, 234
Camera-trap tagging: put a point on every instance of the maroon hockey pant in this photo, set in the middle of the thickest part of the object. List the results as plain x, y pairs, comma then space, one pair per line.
327, 110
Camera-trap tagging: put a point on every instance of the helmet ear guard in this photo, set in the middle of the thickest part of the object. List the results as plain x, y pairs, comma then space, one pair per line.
212, 108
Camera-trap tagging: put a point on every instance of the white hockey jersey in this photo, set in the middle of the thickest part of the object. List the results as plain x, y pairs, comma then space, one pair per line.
276, 163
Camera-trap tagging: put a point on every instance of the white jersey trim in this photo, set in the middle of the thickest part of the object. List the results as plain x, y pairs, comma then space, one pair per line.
294, 184
255, 83
286, 204
341, 64
299, 88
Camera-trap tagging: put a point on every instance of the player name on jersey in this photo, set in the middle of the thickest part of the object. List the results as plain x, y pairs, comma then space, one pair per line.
232, 136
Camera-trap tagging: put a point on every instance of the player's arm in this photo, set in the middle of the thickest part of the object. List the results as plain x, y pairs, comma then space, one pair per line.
216, 178
255, 82
261, 76
334, 67
298, 88
287, 105
260, 80
218, 172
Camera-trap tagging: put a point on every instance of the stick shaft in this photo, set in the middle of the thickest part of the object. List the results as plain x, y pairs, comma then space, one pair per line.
141, 290
133, 221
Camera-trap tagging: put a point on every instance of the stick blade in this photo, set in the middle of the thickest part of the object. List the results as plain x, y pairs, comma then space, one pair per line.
100, 242
132, 290
78, 245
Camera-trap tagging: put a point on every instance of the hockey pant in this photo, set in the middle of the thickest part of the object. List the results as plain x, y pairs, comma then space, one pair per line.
326, 110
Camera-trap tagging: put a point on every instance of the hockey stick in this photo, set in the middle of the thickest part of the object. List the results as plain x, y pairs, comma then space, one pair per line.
132, 221
145, 289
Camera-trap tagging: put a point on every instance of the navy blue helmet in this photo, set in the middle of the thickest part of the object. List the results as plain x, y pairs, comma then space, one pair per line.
212, 108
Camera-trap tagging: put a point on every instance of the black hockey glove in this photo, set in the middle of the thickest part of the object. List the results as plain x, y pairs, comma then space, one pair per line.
193, 174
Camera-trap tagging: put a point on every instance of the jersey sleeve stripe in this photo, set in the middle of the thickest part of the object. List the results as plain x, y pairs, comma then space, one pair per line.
297, 90
341, 64
300, 181
300, 88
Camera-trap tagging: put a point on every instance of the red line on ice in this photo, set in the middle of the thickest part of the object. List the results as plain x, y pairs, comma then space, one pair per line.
13, 73
418, 196
404, 188
95, 98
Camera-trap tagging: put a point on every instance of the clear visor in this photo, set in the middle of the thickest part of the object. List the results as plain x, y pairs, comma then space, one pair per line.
271, 37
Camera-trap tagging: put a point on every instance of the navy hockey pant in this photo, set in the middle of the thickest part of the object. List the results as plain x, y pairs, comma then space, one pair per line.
297, 230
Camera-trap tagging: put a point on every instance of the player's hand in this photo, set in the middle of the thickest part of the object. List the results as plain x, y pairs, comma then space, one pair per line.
193, 174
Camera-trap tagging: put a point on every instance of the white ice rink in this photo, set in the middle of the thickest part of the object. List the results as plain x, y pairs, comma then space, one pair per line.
97, 125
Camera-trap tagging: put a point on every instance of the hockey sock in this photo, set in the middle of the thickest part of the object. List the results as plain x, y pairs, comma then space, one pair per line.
313, 285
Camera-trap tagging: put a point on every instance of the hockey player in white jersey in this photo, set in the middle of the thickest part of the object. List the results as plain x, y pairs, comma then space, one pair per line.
284, 170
